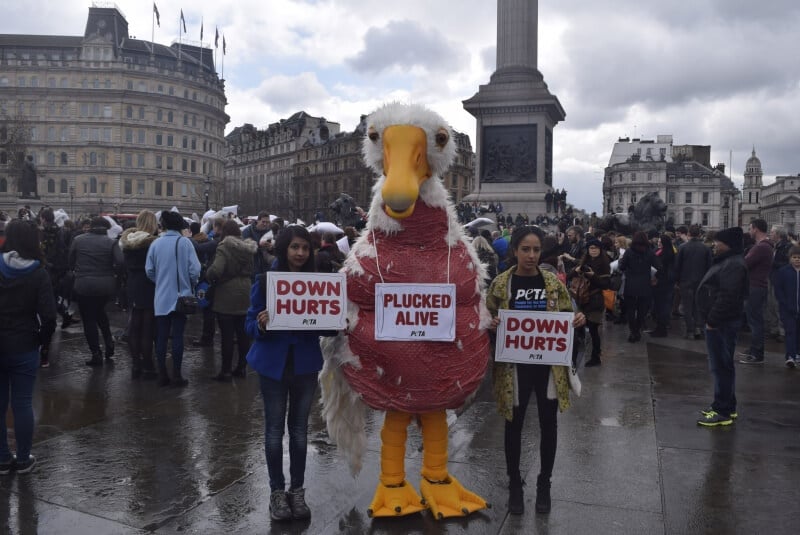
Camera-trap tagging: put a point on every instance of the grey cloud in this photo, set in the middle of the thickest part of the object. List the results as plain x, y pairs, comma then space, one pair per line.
294, 93
407, 44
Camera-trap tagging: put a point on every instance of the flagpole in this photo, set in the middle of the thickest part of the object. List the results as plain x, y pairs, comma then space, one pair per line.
201, 45
153, 34
223, 56
179, 36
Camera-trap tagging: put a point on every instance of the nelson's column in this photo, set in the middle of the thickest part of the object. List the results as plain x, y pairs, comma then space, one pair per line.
515, 114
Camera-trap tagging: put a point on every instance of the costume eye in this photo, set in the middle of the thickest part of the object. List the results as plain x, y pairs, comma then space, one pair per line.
441, 138
373, 134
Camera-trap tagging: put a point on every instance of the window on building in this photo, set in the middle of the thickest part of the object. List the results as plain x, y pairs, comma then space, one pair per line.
63, 158
633, 197
140, 136
159, 161
128, 186
194, 143
185, 119
169, 117
184, 164
107, 134
140, 160
64, 134
3, 185
141, 112
129, 135
63, 186
687, 217
129, 112
159, 139
107, 112
160, 115
21, 81
185, 142
158, 188
170, 140
92, 185
193, 166
705, 199
170, 162
51, 186
128, 159
671, 197
688, 199
169, 189
51, 133
633, 177
184, 190
140, 187
704, 219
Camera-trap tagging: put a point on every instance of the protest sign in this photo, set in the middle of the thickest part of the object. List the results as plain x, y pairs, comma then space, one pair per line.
421, 312
525, 337
301, 301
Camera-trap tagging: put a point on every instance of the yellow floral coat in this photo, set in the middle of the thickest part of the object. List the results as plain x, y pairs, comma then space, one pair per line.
504, 373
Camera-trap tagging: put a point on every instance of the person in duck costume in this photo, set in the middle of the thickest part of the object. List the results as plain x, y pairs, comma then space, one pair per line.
412, 236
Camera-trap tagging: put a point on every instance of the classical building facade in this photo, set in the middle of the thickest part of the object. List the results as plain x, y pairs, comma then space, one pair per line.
694, 191
113, 124
777, 203
298, 166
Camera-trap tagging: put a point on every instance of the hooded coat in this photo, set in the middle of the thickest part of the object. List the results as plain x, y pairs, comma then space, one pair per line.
27, 305
230, 273
134, 244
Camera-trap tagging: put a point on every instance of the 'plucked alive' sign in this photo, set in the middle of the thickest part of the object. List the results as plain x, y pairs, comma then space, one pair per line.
300, 301
415, 312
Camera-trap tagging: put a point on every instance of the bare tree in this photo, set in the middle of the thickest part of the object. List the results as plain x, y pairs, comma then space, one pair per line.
15, 137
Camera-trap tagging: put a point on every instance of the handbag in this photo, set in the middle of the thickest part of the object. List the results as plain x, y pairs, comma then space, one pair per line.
186, 304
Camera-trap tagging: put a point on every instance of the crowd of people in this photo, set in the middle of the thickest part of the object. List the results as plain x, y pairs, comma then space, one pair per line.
713, 281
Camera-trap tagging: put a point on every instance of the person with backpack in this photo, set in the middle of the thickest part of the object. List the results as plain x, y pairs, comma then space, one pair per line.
595, 268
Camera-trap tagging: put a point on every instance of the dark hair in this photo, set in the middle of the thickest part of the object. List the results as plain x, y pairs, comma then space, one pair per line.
194, 226
231, 228
47, 215
666, 241
682, 229
172, 221
600, 265
640, 241
759, 224
23, 237
262, 213
282, 247
694, 231
519, 234
486, 235
100, 222
794, 251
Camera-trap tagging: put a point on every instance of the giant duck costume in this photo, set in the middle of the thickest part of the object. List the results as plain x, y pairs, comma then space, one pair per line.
412, 236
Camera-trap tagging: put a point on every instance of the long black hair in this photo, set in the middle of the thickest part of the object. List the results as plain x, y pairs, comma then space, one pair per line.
24, 237
282, 248
519, 234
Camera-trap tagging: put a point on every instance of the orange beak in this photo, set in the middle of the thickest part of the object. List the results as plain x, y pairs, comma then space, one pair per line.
405, 165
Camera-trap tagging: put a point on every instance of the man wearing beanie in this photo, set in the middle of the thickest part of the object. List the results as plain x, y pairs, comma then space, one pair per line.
720, 303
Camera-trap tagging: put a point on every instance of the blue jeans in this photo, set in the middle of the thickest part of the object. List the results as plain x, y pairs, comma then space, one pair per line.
17, 376
721, 344
299, 391
754, 308
172, 325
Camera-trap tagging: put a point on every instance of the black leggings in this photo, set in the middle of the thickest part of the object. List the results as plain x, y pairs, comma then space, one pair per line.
594, 332
93, 316
231, 325
532, 378
141, 332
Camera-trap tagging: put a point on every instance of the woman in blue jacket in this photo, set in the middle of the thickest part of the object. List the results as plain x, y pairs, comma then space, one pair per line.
786, 284
287, 363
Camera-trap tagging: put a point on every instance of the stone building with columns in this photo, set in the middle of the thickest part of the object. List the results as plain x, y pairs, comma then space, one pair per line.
777, 203
682, 175
114, 124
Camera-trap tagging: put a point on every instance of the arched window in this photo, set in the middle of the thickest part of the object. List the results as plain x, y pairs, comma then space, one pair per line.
51, 186
92, 185
3, 185
63, 158
63, 187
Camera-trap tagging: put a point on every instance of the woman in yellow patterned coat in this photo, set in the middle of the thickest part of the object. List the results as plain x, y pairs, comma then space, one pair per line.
525, 287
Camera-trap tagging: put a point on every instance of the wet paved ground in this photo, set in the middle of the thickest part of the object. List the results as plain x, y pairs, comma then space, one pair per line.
117, 456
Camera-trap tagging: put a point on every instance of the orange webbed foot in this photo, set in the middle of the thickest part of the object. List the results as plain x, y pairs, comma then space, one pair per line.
395, 501
449, 498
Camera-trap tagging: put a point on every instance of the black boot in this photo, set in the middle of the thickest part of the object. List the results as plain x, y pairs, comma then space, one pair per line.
96, 360
594, 361
148, 371
109, 349
177, 378
516, 497
163, 377
542, 494
136, 368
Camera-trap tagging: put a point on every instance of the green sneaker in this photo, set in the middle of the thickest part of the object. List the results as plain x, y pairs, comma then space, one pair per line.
714, 419
706, 412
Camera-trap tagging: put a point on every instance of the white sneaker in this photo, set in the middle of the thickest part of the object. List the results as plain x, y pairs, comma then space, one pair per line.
791, 362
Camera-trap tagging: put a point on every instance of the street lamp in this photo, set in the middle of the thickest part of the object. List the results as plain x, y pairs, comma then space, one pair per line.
207, 183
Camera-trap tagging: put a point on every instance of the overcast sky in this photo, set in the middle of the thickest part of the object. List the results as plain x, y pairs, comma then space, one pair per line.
724, 73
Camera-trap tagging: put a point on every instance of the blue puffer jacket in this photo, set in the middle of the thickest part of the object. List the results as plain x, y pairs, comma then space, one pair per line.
786, 283
270, 349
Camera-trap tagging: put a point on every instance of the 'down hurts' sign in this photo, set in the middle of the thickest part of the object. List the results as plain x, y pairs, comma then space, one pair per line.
299, 301
534, 337
415, 312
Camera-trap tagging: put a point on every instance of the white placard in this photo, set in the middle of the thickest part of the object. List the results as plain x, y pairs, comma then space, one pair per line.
302, 301
421, 312
526, 337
